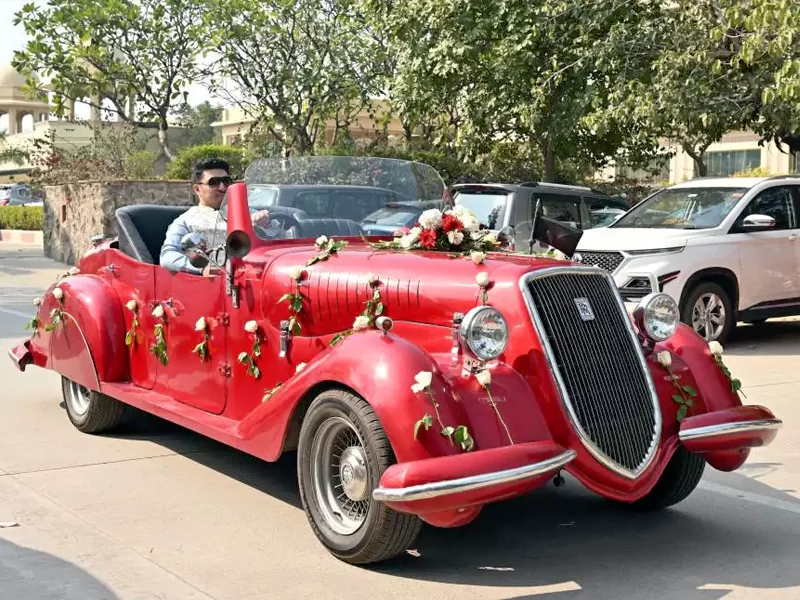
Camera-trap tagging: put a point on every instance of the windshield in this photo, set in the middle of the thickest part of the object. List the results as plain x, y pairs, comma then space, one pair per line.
683, 208
310, 196
488, 206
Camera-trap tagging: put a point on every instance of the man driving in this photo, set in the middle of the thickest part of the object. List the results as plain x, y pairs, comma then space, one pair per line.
210, 180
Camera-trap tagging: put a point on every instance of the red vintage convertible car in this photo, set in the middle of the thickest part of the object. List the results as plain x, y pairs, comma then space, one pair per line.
418, 377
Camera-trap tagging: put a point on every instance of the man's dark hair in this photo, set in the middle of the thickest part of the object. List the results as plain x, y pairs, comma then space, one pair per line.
207, 164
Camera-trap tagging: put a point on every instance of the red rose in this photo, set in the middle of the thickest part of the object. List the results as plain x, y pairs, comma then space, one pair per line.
428, 238
451, 223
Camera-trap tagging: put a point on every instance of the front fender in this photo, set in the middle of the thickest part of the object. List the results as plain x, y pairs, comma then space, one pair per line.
381, 368
88, 346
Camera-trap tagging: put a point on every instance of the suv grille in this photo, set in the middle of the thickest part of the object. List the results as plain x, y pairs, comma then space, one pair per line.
609, 261
603, 379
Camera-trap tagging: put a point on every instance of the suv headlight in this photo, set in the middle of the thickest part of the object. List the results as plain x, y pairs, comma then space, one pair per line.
485, 332
657, 316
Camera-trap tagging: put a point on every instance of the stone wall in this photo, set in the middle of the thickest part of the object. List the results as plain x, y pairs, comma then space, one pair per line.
74, 212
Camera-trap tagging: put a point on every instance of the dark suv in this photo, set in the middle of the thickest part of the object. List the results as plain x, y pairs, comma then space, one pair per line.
501, 205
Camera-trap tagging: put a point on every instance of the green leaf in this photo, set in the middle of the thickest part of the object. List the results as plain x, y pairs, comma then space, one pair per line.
463, 438
677, 398
689, 390
287, 298
426, 422
129, 338
448, 431
379, 309
682, 412
296, 328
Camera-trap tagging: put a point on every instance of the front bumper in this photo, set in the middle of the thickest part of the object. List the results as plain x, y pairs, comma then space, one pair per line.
731, 429
474, 478
21, 355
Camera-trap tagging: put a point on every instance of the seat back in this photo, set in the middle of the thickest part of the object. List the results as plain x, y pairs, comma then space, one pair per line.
142, 229
313, 228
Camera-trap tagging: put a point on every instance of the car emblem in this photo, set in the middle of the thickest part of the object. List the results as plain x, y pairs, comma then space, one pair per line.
584, 309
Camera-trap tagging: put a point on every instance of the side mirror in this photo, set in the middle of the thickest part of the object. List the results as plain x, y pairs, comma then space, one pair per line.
753, 223
195, 248
238, 244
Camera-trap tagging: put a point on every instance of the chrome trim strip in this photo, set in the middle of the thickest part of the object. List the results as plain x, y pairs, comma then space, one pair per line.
449, 487
708, 431
601, 456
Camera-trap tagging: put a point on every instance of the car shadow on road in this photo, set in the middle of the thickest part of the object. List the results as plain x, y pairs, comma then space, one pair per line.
773, 338
27, 574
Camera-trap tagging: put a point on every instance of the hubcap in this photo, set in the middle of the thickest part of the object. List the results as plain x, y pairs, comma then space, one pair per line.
340, 475
78, 398
708, 316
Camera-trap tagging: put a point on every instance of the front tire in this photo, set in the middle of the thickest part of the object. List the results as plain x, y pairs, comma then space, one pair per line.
88, 411
708, 310
679, 479
342, 452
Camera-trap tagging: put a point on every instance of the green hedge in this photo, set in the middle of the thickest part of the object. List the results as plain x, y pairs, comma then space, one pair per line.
28, 218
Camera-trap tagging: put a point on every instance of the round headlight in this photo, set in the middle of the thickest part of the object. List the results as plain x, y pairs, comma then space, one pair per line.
657, 316
485, 332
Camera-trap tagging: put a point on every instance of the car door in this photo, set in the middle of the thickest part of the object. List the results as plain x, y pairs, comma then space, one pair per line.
768, 259
186, 298
564, 208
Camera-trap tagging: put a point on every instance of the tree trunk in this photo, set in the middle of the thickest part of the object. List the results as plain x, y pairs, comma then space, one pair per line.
700, 168
162, 139
549, 163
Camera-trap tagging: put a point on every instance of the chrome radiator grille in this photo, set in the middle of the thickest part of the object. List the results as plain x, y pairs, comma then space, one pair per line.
598, 364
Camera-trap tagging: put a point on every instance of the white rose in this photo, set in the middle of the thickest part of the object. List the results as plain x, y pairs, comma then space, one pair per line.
423, 380
321, 241
470, 223
455, 237
484, 378
477, 257
37, 301
431, 219
251, 327
74, 271
131, 305
407, 241
296, 273
300, 367
716, 348
664, 359
460, 209
490, 240
361, 323
243, 356
482, 279
58, 293
372, 279
200, 325
158, 311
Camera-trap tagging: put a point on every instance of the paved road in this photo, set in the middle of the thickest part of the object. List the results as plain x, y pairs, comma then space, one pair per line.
159, 512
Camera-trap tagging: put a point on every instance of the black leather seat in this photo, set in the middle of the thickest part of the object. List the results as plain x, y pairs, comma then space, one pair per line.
142, 229
313, 228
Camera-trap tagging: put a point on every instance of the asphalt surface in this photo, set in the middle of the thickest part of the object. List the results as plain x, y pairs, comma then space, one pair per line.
156, 511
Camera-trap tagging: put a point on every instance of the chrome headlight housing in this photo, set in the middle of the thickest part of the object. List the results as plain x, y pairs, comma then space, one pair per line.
657, 316
485, 332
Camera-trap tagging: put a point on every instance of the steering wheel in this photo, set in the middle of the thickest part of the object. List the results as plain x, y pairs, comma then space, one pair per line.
286, 218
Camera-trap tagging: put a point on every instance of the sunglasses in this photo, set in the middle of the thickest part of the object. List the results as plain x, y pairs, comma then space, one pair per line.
215, 181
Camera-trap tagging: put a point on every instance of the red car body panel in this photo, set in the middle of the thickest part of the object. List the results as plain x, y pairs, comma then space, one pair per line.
421, 292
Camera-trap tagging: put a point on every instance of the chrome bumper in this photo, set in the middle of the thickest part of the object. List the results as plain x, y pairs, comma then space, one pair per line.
474, 482
729, 428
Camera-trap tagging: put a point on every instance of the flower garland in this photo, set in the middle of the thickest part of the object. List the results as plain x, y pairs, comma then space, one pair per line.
372, 310
131, 334
295, 299
202, 348
459, 435
56, 315
35, 322
716, 352
685, 392
250, 360
327, 247
484, 378
159, 350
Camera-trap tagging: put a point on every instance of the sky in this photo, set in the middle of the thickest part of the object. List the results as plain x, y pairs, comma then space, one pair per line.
13, 38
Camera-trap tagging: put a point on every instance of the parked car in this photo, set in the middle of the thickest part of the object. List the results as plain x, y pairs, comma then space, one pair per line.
19, 194
418, 378
726, 249
501, 206
397, 216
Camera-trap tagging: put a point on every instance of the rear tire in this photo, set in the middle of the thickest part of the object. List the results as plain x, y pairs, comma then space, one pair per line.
91, 412
679, 479
722, 308
342, 453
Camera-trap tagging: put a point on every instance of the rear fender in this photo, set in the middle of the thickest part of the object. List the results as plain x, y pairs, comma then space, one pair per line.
88, 346
381, 368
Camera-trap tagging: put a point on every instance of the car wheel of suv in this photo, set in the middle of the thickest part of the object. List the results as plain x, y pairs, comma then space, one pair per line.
91, 412
342, 453
679, 479
709, 311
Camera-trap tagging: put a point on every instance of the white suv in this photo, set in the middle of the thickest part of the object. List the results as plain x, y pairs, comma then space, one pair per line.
727, 250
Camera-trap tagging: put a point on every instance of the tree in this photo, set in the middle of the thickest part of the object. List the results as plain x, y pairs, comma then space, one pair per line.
198, 120
111, 52
293, 64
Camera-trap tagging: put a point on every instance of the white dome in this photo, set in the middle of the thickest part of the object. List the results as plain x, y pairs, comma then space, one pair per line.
9, 77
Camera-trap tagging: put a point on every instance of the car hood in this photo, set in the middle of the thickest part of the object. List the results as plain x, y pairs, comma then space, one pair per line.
629, 238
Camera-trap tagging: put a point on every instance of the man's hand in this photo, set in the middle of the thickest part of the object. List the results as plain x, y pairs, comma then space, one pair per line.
211, 270
260, 218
